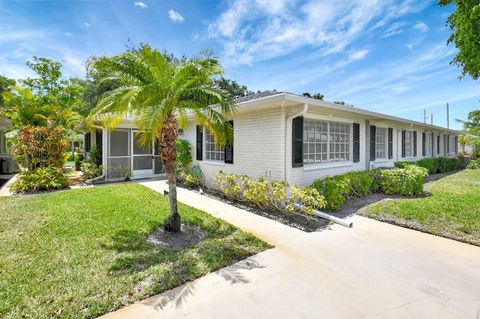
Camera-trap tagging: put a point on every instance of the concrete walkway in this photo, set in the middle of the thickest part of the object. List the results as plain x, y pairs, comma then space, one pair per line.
374, 270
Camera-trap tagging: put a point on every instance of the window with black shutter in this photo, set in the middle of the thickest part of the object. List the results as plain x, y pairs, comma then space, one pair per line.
403, 143
390, 143
438, 144
297, 142
356, 142
88, 142
229, 149
456, 144
199, 149
433, 145
373, 132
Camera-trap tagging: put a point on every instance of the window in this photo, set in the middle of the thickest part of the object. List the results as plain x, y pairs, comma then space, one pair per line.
381, 141
451, 142
428, 144
409, 144
212, 151
326, 141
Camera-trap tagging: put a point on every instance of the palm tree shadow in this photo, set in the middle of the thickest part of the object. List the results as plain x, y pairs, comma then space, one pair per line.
233, 274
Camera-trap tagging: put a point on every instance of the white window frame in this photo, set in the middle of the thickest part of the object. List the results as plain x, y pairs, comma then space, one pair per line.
410, 144
220, 151
381, 142
322, 150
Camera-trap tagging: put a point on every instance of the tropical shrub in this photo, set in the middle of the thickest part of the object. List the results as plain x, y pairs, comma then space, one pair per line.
184, 155
95, 155
406, 181
435, 165
474, 164
448, 164
269, 194
402, 164
193, 177
40, 147
40, 179
78, 161
91, 170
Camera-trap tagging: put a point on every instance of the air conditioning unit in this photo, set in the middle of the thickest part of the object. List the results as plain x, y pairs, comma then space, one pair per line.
8, 165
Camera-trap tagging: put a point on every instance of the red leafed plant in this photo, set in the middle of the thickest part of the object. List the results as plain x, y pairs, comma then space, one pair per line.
40, 147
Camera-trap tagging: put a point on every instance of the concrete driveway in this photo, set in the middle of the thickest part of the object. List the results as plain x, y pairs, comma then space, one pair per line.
374, 270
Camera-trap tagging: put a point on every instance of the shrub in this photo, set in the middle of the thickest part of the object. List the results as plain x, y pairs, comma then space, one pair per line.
402, 164
184, 155
429, 163
448, 164
78, 161
193, 177
474, 164
361, 183
40, 147
406, 181
335, 189
41, 179
95, 156
91, 170
269, 194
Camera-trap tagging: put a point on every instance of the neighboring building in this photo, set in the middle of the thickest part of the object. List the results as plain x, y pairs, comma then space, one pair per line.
7, 164
282, 136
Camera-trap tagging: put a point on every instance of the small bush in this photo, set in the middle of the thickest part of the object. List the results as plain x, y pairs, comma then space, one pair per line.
335, 189
429, 163
269, 194
91, 170
474, 164
448, 164
41, 179
95, 156
193, 177
78, 161
407, 181
402, 164
184, 155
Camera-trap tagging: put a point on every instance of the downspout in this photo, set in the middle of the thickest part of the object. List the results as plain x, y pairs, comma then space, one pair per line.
287, 121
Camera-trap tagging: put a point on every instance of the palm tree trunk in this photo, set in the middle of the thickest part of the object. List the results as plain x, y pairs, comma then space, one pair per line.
168, 139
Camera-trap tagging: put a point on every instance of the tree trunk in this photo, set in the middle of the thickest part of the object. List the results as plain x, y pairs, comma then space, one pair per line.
168, 154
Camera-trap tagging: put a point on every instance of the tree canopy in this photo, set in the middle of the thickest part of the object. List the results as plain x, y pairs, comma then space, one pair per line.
317, 95
232, 87
464, 22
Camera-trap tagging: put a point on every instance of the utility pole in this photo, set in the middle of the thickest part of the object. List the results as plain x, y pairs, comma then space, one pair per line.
448, 117
425, 116
431, 118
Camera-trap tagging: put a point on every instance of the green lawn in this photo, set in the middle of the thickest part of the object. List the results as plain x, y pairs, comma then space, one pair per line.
82, 253
452, 210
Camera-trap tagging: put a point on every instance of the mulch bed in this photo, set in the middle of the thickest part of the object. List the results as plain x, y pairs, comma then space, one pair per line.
189, 235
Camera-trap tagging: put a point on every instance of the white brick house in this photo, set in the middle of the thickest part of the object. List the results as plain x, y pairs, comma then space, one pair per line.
282, 136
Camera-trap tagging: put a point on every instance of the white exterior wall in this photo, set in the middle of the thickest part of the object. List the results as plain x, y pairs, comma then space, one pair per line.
258, 146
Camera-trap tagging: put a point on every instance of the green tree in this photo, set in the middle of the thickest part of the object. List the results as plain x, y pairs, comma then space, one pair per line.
317, 96
162, 93
5, 86
464, 22
233, 87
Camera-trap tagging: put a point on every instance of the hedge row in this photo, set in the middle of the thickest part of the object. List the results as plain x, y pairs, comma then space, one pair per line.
269, 194
337, 189
435, 165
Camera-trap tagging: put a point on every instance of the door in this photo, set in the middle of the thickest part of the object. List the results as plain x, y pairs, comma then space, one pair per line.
142, 158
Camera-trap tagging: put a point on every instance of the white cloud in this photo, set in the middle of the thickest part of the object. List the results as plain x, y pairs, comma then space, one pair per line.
140, 5
358, 55
75, 64
421, 27
409, 46
258, 30
86, 24
67, 34
175, 16
394, 29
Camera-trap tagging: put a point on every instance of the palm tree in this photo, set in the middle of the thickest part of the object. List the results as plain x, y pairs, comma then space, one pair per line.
162, 93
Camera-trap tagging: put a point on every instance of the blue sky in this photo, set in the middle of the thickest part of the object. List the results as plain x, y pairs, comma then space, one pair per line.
383, 55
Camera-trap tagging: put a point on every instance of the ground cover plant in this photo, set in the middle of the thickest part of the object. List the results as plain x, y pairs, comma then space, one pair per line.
452, 210
81, 253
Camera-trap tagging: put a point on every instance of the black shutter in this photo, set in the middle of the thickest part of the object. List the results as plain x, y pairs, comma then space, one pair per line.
297, 142
88, 142
433, 148
99, 139
438, 144
390, 143
414, 143
424, 137
456, 144
229, 149
373, 131
356, 142
403, 143
448, 144
199, 143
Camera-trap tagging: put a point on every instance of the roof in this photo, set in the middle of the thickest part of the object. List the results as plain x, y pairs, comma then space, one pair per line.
273, 96
256, 96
